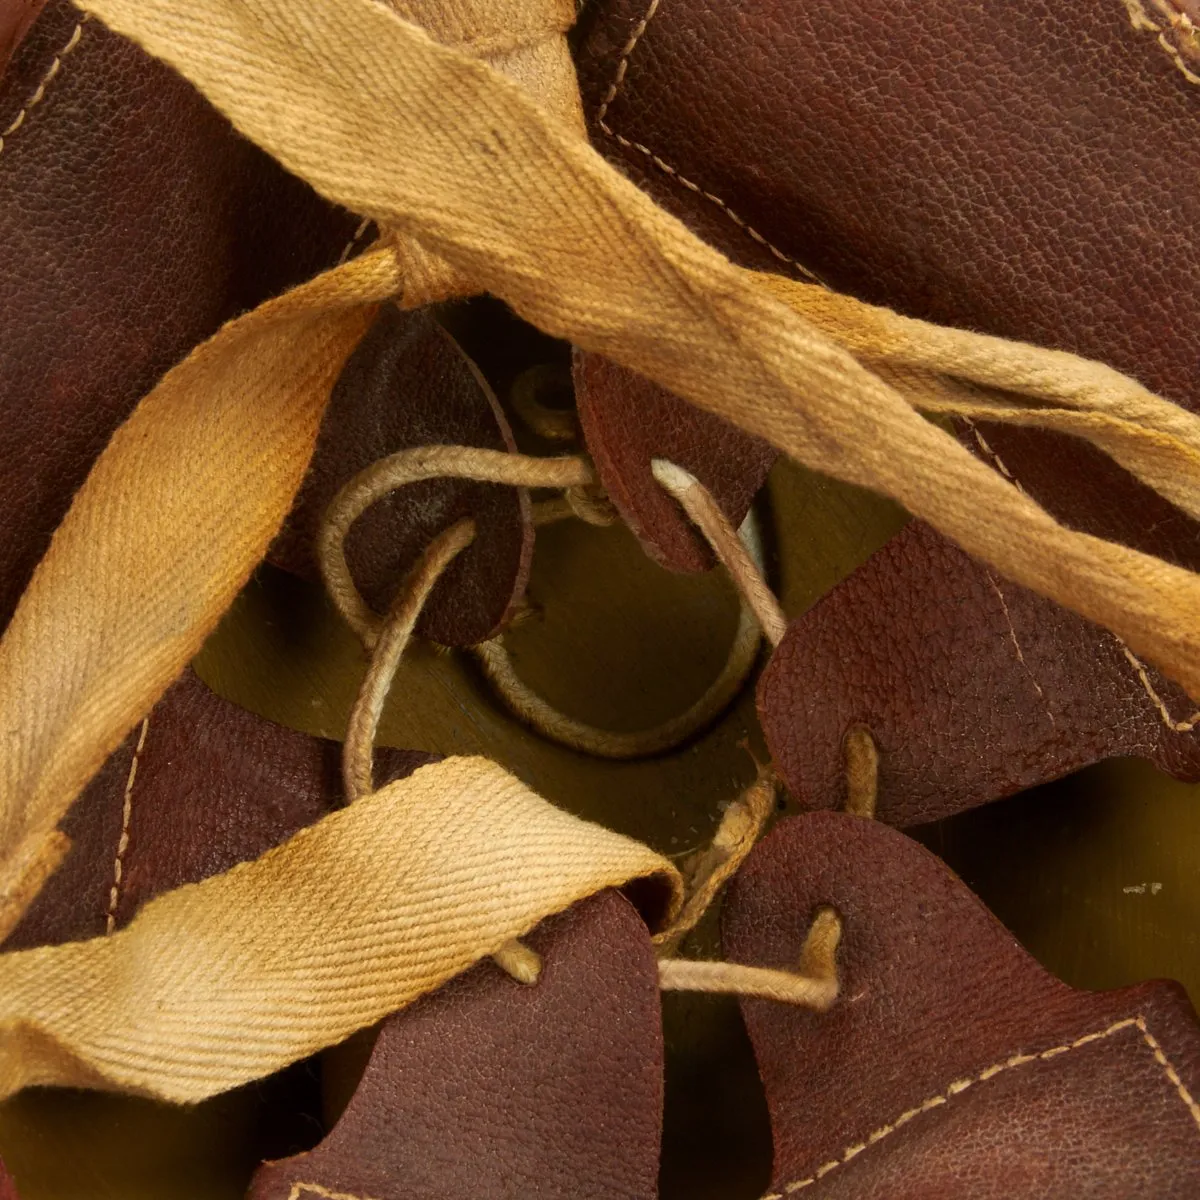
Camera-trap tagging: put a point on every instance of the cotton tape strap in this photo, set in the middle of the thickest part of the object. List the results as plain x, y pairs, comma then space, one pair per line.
174, 516
227, 980
432, 142
185, 499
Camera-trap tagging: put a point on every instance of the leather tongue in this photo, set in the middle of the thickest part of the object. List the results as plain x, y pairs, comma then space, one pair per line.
488, 1087
628, 421
972, 687
409, 385
952, 1064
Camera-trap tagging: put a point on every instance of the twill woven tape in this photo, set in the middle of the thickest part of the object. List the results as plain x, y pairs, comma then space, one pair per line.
431, 142
480, 179
228, 980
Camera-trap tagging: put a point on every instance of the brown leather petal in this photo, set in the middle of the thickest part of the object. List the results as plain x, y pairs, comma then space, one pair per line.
951, 1064
628, 421
491, 1088
972, 687
133, 222
1001, 167
408, 384
979, 170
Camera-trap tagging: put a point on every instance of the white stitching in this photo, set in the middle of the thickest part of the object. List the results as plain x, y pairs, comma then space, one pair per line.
1012, 633
110, 921
39, 93
1172, 1074
961, 1085
623, 65
315, 1189
1184, 726
363, 226
999, 462
665, 167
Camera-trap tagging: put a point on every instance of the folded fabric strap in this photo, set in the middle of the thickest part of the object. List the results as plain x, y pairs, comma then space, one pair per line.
225, 981
175, 515
434, 143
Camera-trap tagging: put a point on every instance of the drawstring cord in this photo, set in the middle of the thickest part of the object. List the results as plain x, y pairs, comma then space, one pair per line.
862, 771
411, 466
708, 517
814, 984
589, 504
573, 475
739, 830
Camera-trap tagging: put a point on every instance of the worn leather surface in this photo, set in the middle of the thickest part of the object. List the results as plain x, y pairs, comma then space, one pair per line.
491, 1088
1086, 490
16, 16
214, 785
133, 222
1025, 171
628, 421
972, 687
952, 1064
1021, 170
408, 384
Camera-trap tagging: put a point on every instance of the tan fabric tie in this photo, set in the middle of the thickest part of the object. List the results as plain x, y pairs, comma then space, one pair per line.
428, 140
228, 980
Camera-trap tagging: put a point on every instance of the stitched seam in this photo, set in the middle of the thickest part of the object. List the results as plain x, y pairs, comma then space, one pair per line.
1012, 633
1173, 1075
110, 920
39, 93
315, 1189
961, 1085
1177, 22
623, 66
363, 226
999, 463
1184, 726
1140, 668
665, 167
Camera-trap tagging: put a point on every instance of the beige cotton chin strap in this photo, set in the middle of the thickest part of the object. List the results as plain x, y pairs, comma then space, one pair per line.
431, 142
228, 980
386, 638
483, 183
174, 516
